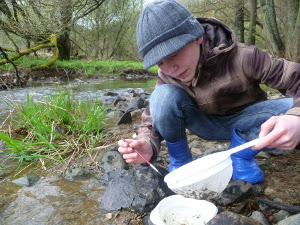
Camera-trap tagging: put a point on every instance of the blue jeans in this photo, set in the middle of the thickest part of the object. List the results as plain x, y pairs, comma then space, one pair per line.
173, 111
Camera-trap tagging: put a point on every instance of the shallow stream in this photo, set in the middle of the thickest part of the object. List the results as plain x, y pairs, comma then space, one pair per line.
81, 89
54, 199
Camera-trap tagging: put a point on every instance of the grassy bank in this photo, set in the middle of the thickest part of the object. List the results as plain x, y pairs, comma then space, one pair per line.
90, 67
53, 129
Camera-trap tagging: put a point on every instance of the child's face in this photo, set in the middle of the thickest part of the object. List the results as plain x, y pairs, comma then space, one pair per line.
182, 65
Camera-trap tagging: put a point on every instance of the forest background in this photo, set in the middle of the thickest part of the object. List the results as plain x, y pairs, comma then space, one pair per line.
106, 29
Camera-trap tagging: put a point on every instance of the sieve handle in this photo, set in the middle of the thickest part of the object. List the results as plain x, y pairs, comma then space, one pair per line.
243, 146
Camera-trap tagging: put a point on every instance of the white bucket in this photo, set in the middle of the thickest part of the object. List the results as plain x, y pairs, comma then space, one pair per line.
178, 210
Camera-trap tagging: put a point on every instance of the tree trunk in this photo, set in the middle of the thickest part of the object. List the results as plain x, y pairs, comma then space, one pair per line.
292, 50
239, 20
252, 26
64, 45
63, 42
97, 35
271, 28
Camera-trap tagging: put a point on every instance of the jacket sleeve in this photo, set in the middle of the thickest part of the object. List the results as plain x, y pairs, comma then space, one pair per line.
147, 132
279, 74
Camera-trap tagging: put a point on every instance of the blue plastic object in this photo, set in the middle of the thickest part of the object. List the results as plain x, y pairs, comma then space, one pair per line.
179, 154
244, 165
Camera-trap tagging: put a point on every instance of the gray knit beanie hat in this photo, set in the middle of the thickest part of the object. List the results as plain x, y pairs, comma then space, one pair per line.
164, 28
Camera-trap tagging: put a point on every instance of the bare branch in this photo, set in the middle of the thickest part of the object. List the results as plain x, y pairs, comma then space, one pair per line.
5, 9
14, 65
91, 8
51, 43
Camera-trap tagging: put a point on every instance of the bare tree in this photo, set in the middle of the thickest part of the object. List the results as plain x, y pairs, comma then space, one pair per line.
270, 24
63, 41
292, 47
252, 26
46, 23
239, 20
113, 29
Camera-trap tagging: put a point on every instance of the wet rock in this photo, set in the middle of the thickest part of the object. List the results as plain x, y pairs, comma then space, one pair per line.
195, 144
112, 160
239, 207
138, 92
235, 191
278, 152
125, 119
119, 99
265, 208
122, 104
76, 173
137, 114
136, 103
27, 180
258, 216
114, 148
230, 218
144, 95
264, 165
115, 113
281, 215
110, 93
139, 189
257, 189
78, 80
197, 152
28, 208
54, 200
292, 220
108, 101
263, 155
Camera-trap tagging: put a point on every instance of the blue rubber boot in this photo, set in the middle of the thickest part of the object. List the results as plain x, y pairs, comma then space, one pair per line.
243, 162
179, 154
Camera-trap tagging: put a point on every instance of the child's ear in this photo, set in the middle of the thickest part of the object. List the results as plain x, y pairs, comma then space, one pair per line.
199, 40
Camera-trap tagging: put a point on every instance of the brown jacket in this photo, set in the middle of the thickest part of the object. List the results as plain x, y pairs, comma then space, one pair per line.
228, 78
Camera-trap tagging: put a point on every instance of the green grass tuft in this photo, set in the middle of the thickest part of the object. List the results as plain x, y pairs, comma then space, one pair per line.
54, 128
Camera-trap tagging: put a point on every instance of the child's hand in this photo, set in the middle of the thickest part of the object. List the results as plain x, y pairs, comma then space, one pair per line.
130, 156
284, 133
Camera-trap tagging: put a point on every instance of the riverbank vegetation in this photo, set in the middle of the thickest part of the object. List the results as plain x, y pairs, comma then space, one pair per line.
52, 129
84, 66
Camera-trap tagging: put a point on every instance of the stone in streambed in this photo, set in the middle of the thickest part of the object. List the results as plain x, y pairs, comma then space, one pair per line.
112, 160
139, 189
230, 218
27, 180
235, 191
76, 173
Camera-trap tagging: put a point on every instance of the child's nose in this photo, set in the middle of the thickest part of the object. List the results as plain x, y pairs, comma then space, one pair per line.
168, 66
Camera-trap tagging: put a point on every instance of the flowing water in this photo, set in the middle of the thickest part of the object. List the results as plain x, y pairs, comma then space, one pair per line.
84, 90
54, 199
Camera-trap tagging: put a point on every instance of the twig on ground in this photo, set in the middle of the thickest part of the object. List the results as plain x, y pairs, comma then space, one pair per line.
278, 205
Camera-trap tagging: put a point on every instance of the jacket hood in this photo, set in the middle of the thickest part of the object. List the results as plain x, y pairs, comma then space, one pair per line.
219, 36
